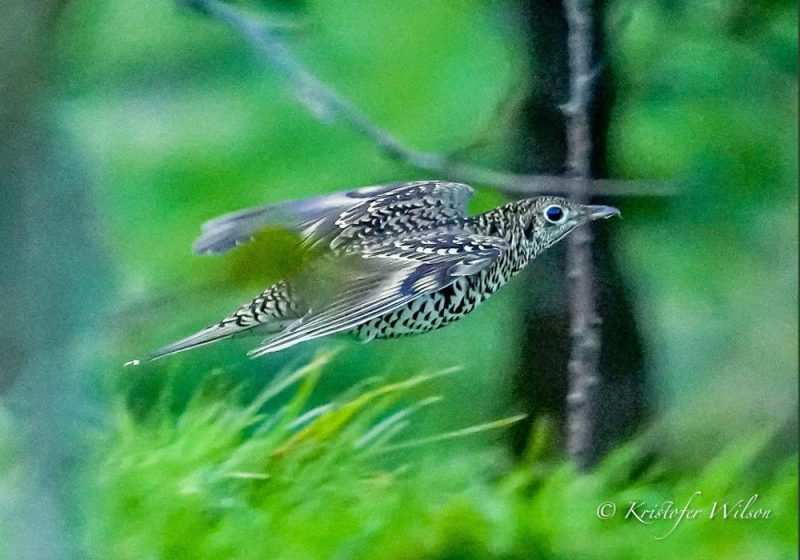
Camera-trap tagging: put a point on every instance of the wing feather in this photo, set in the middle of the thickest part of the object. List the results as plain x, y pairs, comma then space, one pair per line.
342, 219
381, 280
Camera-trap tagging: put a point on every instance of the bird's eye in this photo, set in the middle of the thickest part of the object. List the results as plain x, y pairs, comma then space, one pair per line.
554, 214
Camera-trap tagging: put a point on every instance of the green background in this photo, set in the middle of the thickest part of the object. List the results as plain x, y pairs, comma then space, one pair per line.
174, 119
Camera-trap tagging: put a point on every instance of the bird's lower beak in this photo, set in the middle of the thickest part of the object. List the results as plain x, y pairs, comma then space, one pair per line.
602, 212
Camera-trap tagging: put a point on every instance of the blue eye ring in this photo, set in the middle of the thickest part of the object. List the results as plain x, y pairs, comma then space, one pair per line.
555, 214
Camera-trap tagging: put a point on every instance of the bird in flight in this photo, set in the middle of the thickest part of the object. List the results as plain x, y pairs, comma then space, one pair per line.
390, 260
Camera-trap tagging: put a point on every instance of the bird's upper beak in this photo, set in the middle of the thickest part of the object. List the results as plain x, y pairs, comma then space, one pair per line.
602, 212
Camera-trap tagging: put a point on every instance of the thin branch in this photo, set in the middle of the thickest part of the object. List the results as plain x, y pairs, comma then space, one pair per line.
327, 105
584, 320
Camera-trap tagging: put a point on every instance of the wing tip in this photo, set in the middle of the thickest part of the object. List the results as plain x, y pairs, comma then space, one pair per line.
215, 243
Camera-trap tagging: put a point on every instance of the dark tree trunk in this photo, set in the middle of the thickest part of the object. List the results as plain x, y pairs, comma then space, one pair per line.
541, 382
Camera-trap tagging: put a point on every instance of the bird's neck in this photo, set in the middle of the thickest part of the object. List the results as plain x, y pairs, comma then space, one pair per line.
503, 222
499, 222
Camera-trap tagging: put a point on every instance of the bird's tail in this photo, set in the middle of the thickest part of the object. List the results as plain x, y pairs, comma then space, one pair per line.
271, 311
214, 333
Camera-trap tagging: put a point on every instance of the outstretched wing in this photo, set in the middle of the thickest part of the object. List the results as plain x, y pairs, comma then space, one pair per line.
380, 280
343, 219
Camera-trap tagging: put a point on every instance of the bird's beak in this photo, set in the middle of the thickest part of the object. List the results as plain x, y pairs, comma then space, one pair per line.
602, 212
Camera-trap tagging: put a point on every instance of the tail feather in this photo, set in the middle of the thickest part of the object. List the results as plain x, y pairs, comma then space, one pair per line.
271, 311
208, 335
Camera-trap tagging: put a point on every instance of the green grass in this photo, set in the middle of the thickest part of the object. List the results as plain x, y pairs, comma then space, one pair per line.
233, 480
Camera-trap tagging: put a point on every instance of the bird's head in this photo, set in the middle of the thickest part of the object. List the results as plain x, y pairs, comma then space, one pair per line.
546, 220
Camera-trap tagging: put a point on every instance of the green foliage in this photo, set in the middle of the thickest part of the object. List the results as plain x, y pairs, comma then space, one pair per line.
228, 480
224, 480
708, 97
177, 120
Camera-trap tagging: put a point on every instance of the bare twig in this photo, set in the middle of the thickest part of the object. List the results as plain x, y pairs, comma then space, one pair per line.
584, 320
324, 102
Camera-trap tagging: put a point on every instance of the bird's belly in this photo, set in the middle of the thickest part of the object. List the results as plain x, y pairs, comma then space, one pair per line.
434, 310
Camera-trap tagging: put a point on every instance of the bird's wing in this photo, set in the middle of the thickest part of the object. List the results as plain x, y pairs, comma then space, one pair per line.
380, 280
340, 219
